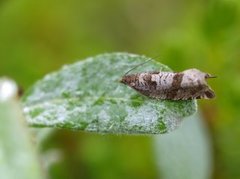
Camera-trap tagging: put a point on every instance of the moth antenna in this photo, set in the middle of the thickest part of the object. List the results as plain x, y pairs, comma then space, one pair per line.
137, 66
212, 76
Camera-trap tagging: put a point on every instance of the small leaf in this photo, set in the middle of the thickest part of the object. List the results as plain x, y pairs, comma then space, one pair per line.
87, 96
18, 159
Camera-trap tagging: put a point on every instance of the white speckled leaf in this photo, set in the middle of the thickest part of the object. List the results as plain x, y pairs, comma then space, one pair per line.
87, 96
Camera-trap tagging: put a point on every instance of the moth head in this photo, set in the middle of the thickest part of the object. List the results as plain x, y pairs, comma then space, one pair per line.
199, 80
197, 74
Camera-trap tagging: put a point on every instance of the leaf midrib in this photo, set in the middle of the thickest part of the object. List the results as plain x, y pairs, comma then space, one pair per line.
61, 100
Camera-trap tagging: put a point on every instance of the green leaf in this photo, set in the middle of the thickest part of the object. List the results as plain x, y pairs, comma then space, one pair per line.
18, 159
188, 150
87, 96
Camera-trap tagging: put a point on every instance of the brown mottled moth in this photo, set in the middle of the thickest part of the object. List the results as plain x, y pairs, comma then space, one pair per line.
186, 85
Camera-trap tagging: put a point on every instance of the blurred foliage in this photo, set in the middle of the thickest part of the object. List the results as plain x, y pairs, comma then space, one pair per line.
37, 37
87, 155
172, 149
18, 159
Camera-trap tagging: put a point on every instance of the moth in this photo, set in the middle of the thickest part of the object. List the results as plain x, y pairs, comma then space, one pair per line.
185, 85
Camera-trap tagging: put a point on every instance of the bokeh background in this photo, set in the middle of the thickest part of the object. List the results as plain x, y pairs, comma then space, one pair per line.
37, 37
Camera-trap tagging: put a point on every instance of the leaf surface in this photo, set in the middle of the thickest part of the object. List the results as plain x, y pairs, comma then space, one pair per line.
88, 96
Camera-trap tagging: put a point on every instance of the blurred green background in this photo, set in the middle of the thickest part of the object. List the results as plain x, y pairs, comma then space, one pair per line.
37, 37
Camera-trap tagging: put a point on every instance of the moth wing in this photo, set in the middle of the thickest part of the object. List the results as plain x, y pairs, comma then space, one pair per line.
197, 93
